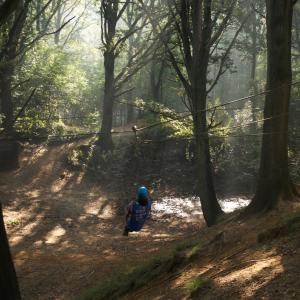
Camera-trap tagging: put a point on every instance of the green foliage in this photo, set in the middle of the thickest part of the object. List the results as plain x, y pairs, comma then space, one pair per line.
186, 245
80, 157
181, 128
67, 90
13, 223
195, 285
193, 252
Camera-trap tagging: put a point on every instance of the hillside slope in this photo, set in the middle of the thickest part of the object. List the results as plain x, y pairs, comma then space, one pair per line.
254, 259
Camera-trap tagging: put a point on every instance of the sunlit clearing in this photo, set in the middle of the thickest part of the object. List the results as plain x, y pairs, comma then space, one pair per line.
188, 208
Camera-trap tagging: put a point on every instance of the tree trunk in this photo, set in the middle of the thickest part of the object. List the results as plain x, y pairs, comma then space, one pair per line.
130, 109
109, 93
6, 73
156, 77
38, 19
210, 206
8, 62
109, 16
205, 187
9, 288
274, 180
7, 8
253, 85
58, 23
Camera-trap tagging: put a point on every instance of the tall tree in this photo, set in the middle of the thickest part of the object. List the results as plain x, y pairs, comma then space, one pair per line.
199, 27
8, 54
198, 63
18, 37
156, 77
114, 38
255, 30
274, 181
252, 44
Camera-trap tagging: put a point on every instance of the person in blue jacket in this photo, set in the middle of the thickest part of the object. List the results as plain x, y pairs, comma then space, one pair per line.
138, 211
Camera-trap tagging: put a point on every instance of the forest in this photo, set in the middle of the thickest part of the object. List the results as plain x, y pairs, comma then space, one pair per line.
149, 149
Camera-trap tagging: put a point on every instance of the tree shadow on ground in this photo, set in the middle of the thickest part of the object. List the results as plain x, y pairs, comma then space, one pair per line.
68, 230
265, 271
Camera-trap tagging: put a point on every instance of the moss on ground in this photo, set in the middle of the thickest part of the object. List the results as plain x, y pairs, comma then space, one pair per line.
137, 277
288, 226
196, 285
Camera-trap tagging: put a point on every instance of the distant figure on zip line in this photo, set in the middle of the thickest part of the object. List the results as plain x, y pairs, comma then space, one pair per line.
138, 211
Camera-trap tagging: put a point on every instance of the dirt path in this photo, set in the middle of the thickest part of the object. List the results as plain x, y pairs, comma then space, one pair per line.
65, 232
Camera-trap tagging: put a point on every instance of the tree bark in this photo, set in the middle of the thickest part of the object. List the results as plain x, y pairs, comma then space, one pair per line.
38, 19
156, 77
107, 111
253, 85
130, 109
9, 288
274, 181
8, 63
202, 34
7, 8
109, 21
6, 73
58, 23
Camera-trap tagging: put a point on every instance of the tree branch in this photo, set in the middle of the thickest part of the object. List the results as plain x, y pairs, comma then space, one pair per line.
226, 54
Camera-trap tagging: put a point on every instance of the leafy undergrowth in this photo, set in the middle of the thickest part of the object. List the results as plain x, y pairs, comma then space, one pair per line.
254, 259
195, 285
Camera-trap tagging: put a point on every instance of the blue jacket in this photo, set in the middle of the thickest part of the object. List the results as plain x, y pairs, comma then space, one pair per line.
138, 215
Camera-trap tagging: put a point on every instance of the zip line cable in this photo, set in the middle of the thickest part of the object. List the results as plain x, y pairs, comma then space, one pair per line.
217, 106
51, 138
191, 138
81, 135
252, 122
209, 135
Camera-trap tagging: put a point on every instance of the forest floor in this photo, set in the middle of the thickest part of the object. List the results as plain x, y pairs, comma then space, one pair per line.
65, 232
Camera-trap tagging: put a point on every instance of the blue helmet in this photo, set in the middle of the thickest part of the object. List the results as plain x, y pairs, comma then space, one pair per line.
142, 192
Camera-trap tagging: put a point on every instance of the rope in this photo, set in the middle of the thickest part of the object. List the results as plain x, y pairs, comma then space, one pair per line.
175, 119
215, 107
230, 128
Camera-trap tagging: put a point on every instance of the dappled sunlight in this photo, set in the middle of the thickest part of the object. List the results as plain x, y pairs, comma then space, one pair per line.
38, 244
68, 179
23, 227
233, 203
177, 207
15, 240
32, 155
107, 212
58, 223
242, 274
96, 206
249, 276
161, 235
33, 194
55, 235
189, 208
